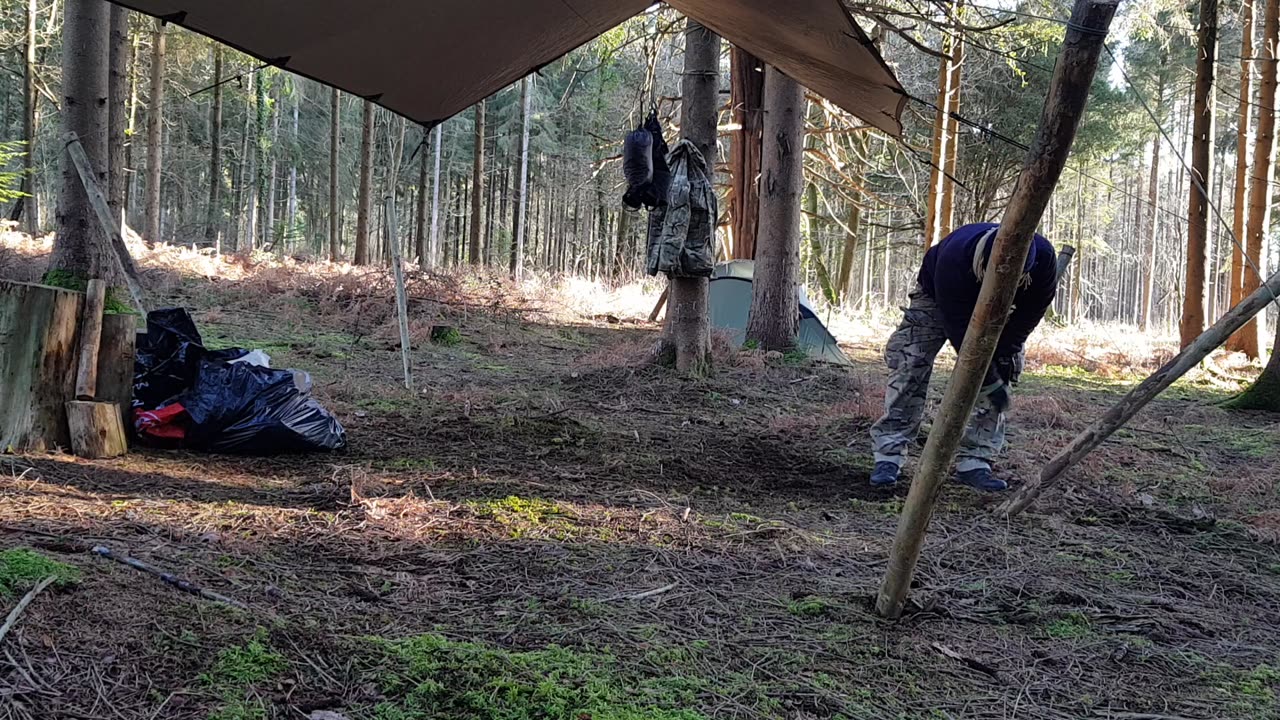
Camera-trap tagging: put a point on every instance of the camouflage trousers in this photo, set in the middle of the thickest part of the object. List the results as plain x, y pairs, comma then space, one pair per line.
910, 354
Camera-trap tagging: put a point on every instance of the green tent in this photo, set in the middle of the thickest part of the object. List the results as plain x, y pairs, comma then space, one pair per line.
730, 300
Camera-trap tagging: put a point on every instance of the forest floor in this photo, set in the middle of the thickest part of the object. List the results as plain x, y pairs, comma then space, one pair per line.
549, 527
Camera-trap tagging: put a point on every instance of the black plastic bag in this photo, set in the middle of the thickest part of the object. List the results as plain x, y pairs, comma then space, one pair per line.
253, 410
637, 158
168, 357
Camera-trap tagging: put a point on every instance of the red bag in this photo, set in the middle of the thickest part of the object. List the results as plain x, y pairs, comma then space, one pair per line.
163, 427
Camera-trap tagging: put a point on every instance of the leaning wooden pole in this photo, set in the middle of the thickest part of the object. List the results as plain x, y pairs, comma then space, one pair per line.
1130, 404
1068, 93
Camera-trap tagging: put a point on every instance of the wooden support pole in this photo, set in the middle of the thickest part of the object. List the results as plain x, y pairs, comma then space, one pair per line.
110, 225
90, 337
402, 301
1068, 93
1130, 404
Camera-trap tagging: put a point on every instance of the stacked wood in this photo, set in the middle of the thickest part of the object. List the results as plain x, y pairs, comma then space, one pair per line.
97, 428
38, 329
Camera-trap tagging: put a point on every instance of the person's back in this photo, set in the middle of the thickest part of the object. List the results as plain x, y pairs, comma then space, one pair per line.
948, 285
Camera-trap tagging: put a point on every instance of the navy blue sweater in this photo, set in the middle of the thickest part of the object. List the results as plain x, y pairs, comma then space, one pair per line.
948, 277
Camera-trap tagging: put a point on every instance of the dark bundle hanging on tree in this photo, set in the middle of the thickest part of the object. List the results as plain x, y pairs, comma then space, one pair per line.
644, 165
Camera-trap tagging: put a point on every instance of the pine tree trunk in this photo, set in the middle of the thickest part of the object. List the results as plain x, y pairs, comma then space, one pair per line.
335, 142
214, 219
775, 309
477, 187
1153, 199
946, 204
433, 248
943, 140
253, 149
269, 217
1192, 324
30, 102
848, 252
155, 134
364, 204
131, 183
117, 95
1244, 143
1263, 171
522, 221
420, 221
688, 319
81, 249
291, 204
746, 92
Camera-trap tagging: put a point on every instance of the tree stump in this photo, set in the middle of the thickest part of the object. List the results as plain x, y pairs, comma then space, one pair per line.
38, 328
96, 429
115, 363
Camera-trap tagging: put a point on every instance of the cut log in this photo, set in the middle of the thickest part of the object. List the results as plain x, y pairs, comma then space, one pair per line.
37, 365
115, 363
96, 429
90, 335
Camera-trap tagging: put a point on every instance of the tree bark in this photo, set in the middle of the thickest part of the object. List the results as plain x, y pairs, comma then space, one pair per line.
477, 188
269, 217
938, 201
335, 141
522, 204
291, 203
1263, 170
1192, 324
80, 248
214, 219
848, 253
363, 206
30, 102
131, 182
774, 320
1063, 108
38, 358
117, 96
155, 134
433, 248
1153, 215
690, 324
946, 204
1244, 143
746, 93
420, 221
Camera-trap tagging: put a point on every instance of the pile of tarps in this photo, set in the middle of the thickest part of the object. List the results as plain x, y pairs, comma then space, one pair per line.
230, 401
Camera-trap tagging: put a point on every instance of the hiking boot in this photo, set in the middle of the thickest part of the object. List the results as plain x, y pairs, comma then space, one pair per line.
981, 479
885, 474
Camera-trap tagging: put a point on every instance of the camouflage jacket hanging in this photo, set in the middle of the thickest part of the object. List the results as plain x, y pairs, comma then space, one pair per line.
682, 232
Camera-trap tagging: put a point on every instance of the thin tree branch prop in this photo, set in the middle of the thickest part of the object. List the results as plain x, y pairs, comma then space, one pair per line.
17, 610
183, 585
1130, 404
402, 301
1063, 108
110, 224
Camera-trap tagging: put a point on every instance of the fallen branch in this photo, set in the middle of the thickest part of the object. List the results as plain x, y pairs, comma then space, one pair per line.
170, 578
645, 594
10, 621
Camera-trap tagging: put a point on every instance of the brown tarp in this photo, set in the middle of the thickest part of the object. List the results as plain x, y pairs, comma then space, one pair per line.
430, 59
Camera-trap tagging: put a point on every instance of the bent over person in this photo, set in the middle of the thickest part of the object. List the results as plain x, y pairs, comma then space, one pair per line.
939, 311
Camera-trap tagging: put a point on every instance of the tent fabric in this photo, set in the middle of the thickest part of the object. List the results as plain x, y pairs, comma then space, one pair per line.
730, 305
430, 59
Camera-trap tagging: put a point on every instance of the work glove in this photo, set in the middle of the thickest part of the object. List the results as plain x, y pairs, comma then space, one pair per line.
998, 393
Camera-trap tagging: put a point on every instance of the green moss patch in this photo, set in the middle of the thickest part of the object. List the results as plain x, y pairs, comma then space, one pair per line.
21, 569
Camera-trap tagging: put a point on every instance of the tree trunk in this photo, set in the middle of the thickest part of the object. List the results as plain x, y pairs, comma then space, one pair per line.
746, 92
117, 96
269, 217
420, 221
1192, 324
38, 357
155, 134
1063, 108
938, 200
1153, 215
291, 203
130, 188
689, 323
30, 101
1264, 394
81, 249
214, 219
946, 204
522, 220
1263, 171
363, 206
775, 308
335, 142
477, 188
1244, 143
433, 248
